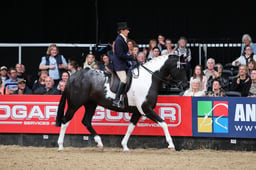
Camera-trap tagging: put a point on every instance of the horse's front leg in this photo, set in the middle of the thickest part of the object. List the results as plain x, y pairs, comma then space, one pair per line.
151, 114
134, 119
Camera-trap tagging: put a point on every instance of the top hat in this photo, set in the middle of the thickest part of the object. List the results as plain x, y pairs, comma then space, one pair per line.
122, 26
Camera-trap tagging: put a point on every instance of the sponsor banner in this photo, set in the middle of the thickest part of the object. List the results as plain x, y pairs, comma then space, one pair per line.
233, 117
36, 114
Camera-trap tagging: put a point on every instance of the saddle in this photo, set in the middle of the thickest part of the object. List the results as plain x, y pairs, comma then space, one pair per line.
114, 81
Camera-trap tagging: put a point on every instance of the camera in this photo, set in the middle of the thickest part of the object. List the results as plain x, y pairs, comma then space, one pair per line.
216, 68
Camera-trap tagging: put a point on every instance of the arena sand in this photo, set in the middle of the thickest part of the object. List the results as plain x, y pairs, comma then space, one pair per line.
14, 157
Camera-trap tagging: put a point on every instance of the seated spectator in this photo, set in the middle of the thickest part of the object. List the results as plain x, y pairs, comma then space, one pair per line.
247, 40
48, 89
72, 66
194, 89
219, 76
22, 88
199, 74
242, 82
12, 82
64, 77
216, 89
41, 80
247, 56
3, 90
210, 64
252, 91
169, 50
135, 51
251, 66
62, 85
4, 74
141, 57
90, 62
106, 64
156, 53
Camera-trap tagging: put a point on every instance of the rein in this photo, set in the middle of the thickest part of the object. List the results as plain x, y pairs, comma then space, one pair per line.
151, 72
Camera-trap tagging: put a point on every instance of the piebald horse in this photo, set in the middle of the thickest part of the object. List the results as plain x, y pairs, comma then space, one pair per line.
90, 88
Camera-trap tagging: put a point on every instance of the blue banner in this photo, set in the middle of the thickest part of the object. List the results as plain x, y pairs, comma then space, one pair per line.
231, 117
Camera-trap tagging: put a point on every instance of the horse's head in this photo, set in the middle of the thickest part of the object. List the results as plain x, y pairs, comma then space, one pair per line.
175, 71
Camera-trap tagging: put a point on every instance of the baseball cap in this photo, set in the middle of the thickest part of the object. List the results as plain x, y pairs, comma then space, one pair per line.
21, 80
3, 68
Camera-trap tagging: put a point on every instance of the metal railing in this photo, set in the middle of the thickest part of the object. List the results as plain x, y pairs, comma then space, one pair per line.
201, 47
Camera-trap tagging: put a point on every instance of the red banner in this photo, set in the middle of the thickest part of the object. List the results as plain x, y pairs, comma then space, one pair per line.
36, 114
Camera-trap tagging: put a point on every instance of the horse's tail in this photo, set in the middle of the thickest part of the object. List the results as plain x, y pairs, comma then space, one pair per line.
61, 109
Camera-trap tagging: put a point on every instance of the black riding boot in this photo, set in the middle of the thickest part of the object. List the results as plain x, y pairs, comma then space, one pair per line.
120, 90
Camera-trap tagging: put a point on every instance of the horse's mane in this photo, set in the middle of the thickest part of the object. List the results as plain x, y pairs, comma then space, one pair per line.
156, 63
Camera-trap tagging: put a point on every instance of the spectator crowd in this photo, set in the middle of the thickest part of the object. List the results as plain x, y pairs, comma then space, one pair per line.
216, 79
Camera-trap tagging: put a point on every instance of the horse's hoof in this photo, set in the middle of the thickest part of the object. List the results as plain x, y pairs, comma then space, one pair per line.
100, 147
61, 148
126, 149
171, 148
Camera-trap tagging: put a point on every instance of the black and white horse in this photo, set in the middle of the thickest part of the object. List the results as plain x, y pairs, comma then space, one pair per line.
90, 88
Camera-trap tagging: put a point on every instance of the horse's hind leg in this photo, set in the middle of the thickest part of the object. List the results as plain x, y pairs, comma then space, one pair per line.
68, 116
156, 118
87, 121
134, 119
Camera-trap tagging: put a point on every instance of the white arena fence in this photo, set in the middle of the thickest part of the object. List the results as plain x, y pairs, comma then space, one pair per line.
202, 48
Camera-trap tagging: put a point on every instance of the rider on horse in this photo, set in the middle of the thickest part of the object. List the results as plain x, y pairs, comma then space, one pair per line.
120, 59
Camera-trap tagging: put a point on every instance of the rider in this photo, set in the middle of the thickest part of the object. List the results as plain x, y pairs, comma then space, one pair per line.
120, 59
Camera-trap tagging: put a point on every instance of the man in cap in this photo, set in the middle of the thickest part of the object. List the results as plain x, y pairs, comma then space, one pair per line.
120, 59
22, 87
4, 74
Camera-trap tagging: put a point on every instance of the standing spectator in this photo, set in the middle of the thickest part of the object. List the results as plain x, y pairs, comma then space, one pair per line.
3, 90
247, 40
194, 89
21, 73
131, 44
22, 88
169, 50
106, 63
216, 89
199, 74
49, 88
4, 74
247, 56
210, 64
252, 91
90, 62
110, 52
41, 80
242, 82
149, 51
72, 66
161, 42
12, 82
54, 63
185, 53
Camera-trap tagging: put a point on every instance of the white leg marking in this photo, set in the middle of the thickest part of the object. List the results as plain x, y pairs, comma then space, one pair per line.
167, 135
62, 135
127, 136
97, 139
